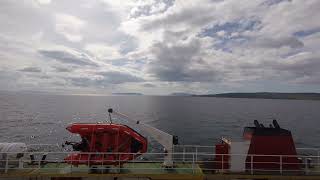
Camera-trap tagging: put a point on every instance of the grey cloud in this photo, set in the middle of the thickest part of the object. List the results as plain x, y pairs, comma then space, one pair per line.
107, 78
57, 83
31, 69
45, 77
82, 81
62, 69
308, 66
116, 77
304, 68
174, 36
174, 63
66, 57
279, 42
310, 80
305, 71
149, 85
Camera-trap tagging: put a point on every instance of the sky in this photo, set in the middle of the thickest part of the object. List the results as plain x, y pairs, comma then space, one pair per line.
159, 47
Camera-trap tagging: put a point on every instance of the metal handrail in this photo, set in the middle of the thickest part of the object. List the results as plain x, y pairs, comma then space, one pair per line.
194, 159
152, 153
212, 146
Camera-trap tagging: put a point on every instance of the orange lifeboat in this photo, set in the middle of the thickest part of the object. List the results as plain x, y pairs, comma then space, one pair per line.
105, 144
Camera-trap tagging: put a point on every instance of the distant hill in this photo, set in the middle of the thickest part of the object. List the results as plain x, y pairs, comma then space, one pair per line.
128, 94
268, 95
180, 94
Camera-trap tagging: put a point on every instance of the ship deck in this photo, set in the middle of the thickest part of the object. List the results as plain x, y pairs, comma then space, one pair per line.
189, 163
146, 170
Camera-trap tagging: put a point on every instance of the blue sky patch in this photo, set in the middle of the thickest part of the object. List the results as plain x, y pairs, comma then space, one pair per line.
231, 27
226, 36
273, 2
305, 33
119, 62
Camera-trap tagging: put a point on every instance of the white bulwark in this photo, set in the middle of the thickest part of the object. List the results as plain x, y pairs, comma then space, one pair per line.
237, 161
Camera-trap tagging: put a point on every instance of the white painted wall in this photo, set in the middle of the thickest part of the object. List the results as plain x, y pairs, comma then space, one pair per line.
238, 155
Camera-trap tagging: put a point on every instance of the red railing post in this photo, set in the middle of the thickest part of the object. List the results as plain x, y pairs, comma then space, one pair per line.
222, 164
251, 163
281, 164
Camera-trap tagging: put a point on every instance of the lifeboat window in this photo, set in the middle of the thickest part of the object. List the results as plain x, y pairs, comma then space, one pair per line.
135, 146
81, 146
98, 144
110, 149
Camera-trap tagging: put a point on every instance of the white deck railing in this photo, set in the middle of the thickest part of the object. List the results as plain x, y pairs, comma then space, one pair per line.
187, 161
210, 149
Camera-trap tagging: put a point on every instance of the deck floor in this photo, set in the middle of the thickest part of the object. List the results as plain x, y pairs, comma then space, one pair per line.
151, 170
128, 168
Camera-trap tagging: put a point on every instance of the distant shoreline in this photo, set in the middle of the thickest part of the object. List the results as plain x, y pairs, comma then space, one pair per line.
267, 95
128, 94
255, 95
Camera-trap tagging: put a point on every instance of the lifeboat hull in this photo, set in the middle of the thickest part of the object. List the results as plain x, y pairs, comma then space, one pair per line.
106, 144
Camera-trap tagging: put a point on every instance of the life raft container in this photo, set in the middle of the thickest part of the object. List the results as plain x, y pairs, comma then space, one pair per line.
105, 144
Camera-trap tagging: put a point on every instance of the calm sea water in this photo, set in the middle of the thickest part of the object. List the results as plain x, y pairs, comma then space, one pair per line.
34, 118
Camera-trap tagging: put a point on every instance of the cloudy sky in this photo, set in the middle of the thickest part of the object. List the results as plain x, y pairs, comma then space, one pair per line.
160, 46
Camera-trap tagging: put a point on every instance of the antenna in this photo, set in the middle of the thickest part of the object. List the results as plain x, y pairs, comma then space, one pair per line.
275, 124
110, 110
256, 123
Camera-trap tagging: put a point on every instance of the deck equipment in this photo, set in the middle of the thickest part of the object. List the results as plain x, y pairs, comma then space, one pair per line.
268, 148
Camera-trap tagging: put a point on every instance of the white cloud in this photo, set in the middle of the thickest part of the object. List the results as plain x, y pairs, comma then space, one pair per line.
291, 16
69, 26
45, 2
68, 55
221, 33
103, 52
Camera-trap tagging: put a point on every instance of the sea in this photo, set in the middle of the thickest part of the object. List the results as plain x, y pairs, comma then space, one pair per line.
42, 119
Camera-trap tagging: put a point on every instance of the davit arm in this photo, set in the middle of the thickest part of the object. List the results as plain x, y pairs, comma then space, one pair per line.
165, 139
